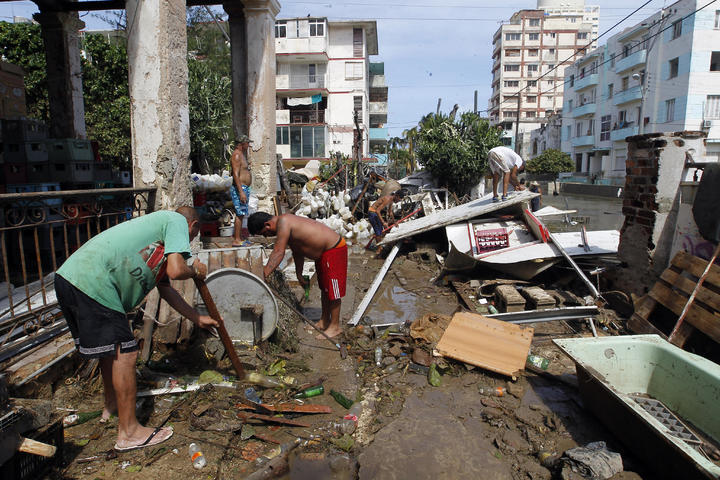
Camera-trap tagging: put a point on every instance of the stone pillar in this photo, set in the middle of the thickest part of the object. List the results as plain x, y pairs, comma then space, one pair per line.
655, 166
239, 66
64, 73
260, 24
158, 84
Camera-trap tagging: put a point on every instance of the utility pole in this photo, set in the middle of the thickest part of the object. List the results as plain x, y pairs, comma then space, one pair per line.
517, 126
357, 147
437, 110
475, 103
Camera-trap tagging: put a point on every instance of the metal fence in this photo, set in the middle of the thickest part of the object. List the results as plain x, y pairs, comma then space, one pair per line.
38, 231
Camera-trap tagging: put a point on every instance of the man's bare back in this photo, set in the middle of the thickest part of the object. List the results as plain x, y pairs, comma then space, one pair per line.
240, 168
305, 236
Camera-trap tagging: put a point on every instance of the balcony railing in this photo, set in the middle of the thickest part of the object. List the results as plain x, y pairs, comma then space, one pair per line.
306, 116
299, 82
583, 110
632, 60
38, 231
622, 133
583, 141
586, 81
632, 94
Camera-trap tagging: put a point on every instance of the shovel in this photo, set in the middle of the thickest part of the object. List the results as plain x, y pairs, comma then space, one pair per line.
226, 340
341, 347
708, 223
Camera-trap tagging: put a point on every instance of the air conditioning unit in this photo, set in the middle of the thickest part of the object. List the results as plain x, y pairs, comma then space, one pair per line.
707, 123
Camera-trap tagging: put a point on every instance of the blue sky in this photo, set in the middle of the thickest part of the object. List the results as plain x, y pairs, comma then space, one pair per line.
431, 50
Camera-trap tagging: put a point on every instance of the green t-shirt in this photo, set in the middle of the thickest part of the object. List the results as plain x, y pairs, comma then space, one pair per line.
120, 266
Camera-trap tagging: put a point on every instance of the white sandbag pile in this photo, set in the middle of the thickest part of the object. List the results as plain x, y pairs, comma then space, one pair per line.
334, 211
211, 183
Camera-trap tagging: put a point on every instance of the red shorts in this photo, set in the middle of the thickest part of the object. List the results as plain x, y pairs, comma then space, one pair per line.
331, 271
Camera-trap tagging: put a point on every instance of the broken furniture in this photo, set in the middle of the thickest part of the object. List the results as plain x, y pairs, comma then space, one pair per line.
658, 399
672, 290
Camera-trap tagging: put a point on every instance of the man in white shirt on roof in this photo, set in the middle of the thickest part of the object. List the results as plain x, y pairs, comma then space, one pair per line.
503, 160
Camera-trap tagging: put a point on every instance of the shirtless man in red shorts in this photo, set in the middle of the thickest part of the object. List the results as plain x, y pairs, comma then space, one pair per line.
311, 239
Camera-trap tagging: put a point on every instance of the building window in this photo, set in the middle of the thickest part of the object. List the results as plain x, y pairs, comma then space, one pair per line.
532, 68
570, 105
509, 114
568, 132
282, 136
549, 83
533, 36
533, 52
532, 83
591, 127
312, 70
512, 53
357, 42
676, 29
353, 70
715, 62
625, 83
358, 104
578, 162
534, 22
573, 19
531, 99
605, 127
530, 114
307, 142
622, 117
670, 110
551, 51
610, 90
582, 35
511, 68
281, 29
612, 60
572, 80
717, 19
317, 28
712, 107
579, 129
512, 36
673, 68
512, 83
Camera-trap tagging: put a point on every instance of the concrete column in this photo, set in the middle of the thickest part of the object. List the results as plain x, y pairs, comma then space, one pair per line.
64, 75
158, 83
260, 24
239, 66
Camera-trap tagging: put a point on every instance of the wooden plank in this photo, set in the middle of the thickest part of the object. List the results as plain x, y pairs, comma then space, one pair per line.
267, 418
686, 285
168, 321
241, 259
228, 259
255, 257
467, 301
287, 407
152, 303
682, 333
187, 326
487, 343
375, 285
509, 299
697, 316
696, 266
213, 261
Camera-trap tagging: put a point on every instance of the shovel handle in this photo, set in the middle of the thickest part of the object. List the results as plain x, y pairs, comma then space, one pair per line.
224, 337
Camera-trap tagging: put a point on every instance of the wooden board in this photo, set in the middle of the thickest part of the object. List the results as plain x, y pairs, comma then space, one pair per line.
487, 343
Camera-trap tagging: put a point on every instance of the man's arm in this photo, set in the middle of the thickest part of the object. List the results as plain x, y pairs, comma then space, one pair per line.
278, 253
178, 303
299, 265
380, 209
177, 268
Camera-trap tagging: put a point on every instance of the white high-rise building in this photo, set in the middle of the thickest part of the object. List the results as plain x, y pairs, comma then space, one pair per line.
527, 47
660, 75
324, 75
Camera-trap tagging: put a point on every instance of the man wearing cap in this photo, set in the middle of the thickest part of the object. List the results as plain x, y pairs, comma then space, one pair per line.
503, 160
240, 190
536, 202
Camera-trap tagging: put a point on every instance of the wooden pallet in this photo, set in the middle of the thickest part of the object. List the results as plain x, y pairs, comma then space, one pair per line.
672, 291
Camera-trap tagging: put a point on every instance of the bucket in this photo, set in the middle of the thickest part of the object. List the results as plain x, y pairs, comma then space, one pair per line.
226, 231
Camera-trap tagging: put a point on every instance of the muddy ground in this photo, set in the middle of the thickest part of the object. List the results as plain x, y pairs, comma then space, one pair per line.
408, 428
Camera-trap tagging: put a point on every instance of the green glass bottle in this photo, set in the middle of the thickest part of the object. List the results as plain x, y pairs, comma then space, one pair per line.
311, 392
341, 399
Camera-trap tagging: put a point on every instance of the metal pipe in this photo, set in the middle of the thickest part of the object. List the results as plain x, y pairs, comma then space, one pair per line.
42, 369
7, 274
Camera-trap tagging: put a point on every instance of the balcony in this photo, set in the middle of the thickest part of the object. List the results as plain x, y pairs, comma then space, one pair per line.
584, 110
300, 82
583, 141
377, 68
587, 81
632, 94
302, 49
378, 81
632, 60
378, 134
297, 117
622, 133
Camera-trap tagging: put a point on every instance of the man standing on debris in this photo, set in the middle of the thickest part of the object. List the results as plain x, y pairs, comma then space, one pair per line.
504, 161
240, 190
536, 202
311, 239
109, 276
375, 216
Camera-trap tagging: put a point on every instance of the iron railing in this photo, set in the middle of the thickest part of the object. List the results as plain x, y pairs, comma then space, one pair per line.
38, 231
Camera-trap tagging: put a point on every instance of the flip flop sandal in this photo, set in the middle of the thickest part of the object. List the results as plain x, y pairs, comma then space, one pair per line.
146, 443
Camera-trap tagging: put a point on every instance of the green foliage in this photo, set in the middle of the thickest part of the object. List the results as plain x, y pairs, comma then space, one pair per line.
337, 160
550, 161
455, 150
107, 103
21, 44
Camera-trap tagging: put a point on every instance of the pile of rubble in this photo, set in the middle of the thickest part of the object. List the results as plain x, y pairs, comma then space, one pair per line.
334, 211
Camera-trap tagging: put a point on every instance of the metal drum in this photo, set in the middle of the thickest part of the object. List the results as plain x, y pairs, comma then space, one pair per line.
235, 290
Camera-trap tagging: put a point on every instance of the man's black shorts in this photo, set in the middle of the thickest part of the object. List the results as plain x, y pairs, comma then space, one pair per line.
97, 330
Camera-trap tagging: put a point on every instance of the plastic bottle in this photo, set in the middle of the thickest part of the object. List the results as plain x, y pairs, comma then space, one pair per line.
311, 392
491, 308
349, 422
196, 456
263, 380
341, 399
378, 356
538, 361
289, 381
492, 391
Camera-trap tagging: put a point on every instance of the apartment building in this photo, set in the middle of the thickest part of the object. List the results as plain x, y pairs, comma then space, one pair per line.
324, 75
660, 75
526, 51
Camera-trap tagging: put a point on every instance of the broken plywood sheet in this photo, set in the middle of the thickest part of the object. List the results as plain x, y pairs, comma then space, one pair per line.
456, 214
491, 344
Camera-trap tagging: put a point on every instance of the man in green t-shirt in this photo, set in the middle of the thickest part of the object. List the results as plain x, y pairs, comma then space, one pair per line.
109, 276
